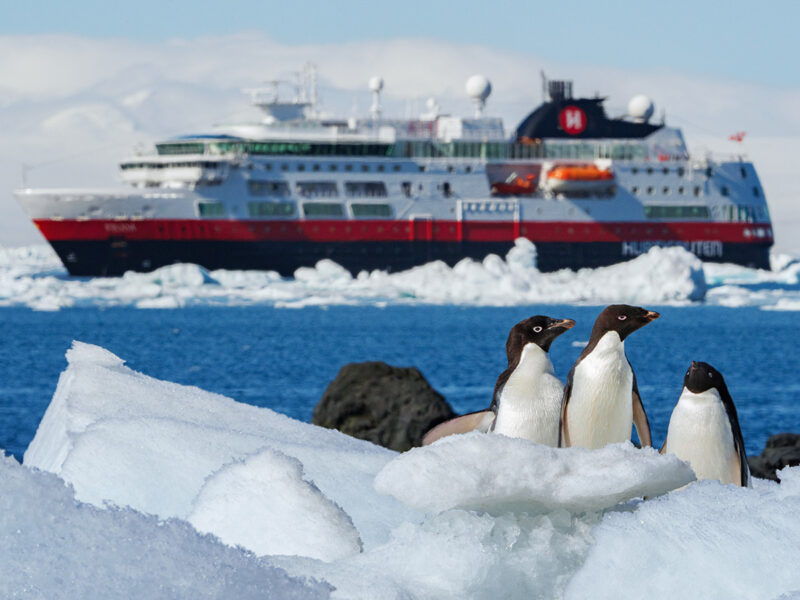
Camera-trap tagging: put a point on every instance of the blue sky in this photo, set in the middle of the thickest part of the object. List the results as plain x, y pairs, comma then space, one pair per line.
726, 40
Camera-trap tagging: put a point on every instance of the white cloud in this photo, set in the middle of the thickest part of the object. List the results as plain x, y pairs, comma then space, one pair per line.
80, 104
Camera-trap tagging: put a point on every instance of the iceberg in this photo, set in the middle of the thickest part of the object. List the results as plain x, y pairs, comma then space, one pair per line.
161, 482
32, 277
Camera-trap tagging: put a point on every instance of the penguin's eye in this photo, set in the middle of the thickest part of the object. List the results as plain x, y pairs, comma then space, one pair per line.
537, 329
711, 373
622, 317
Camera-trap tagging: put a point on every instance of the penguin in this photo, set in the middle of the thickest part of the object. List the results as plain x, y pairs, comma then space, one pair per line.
601, 397
704, 428
527, 396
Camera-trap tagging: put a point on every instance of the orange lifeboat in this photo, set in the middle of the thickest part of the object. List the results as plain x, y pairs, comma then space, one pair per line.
579, 178
515, 185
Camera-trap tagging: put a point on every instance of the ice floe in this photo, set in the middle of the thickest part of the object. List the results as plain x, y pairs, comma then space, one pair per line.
314, 511
33, 277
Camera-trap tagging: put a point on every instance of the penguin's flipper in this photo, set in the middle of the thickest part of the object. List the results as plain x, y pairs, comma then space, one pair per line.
640, 417
742, 473
563, 430
476, 421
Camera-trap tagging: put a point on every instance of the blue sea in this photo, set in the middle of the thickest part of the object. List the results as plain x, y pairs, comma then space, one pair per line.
284, 358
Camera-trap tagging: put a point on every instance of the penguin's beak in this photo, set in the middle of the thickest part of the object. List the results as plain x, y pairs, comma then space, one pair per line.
651, 316
563, 324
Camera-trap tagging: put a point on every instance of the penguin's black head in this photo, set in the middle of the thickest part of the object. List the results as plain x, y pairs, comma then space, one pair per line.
539, 330
623, 319
702, 377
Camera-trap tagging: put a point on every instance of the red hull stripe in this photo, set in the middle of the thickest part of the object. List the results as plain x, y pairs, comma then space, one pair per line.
391, 231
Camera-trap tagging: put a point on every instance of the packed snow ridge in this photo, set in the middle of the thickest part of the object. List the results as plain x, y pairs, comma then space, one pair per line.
34, 277
127, 474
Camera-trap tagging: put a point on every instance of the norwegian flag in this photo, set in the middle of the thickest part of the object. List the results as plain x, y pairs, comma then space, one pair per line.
738, 136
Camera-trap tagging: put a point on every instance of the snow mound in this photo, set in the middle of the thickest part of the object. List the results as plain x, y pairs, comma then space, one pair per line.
707, 541
662, 276
497, 473
117, 435
263, 503
57, 548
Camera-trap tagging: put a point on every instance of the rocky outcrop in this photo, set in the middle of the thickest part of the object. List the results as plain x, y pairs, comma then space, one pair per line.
389, 406
782, 450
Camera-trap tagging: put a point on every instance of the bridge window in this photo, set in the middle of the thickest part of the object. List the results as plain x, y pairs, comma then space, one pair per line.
323, 209
368, 189
371, 210
698, 191
267, 188
317, 188
406, 186
446, 190
270, 209
724, 190
756, 193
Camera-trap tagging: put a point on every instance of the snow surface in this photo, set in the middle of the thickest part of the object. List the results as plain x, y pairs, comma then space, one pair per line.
55, 547
489, 516
33, 277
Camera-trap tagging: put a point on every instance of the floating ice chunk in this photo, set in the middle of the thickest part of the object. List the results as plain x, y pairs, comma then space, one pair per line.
707, 541
172, 276
264, 504
56, 548
120, 436
497, 473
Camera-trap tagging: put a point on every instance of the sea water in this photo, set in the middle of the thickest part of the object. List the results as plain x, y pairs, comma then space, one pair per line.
283, 359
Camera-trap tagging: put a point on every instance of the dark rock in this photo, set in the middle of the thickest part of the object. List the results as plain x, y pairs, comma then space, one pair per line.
782, 450
389, 406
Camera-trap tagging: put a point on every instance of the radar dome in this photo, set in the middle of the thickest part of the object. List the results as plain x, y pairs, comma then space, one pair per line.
375, 84
478, 87
640, 108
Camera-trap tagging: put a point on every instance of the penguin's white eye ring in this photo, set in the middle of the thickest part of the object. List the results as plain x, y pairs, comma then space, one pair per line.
622, 317
537, 329
711, 373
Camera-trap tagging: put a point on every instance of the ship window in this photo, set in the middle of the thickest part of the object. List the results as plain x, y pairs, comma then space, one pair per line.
268, 166
380, 167
681, 171
756, 193
317, 188
676, 212
301, 167
650, 189
649, 170
446, 191
210, 209
681, 190
371, 210
709, 172
284, 167
270, 209
267, 188
698, 191
468, 169
333, 168
315, 167
665, 191
449, 168
724, 190
406, 185
323, 209
365, 167
666, 171
635, 190
421, 168
365, 188
743, 171
396, 168
348, 167
634, 170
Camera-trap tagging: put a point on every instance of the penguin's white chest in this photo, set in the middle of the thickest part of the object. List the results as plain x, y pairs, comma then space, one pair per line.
529, 403
600, 409
700, 433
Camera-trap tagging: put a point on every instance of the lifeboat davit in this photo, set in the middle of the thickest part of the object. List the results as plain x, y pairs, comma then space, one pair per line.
579, 178
515, 185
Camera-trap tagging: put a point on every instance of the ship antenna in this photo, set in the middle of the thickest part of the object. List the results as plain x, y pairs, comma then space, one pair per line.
544, 85
375, 86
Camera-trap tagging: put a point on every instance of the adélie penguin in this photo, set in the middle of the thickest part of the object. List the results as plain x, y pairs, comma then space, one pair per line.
601, 398
704, 428
527, 396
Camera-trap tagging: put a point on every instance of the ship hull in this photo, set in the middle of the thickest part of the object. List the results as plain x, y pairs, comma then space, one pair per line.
115, 257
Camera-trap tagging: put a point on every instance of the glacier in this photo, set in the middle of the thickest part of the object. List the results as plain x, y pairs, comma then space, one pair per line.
137, 485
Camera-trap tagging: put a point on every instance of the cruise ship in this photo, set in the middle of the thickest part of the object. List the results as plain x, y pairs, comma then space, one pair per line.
294, 187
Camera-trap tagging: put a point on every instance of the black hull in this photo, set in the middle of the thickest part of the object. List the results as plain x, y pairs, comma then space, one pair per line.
92, 258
